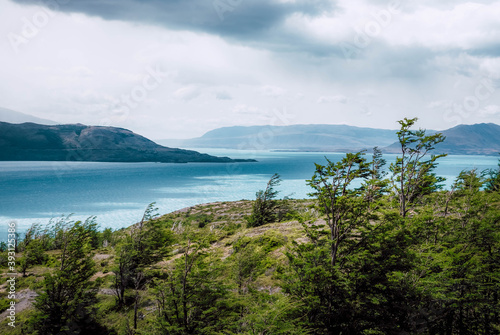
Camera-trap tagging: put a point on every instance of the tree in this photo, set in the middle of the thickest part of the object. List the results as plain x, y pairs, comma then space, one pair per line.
465, 265
191, 297
265, 204
106, 237
367, 291
64, 305
125, 268
343, 207
412, 174
376, 185
33, 255
144, 244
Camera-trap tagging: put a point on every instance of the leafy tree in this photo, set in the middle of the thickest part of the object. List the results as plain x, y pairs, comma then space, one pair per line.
106, 237
265, 205
64, 305
145, 244
376, 185
149, 239
33, 255
412, 172
192, 297
344, 208
368, 291
124, 269
466, 263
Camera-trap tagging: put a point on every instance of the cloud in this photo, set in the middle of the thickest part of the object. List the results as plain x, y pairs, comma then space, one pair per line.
223, 95
490, 110
365, 110
366, 94
242, 20
272, 91
80, 71
440, 104
261, 53
187, 93
332, 98
245, 109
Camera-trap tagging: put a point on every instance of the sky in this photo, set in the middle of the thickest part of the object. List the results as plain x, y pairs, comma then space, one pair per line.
179, 68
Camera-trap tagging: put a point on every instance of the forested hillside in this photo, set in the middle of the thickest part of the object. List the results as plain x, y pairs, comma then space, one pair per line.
398, 255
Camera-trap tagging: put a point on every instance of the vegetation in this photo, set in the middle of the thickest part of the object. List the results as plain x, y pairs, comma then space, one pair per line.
67, 296
372, 252
266, 207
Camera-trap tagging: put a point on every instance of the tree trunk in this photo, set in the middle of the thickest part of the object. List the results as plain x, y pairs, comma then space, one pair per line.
135, 308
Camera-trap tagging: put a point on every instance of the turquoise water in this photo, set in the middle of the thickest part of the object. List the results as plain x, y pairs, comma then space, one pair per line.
118, 193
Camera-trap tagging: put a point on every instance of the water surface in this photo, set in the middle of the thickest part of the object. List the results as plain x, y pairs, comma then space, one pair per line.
118, 193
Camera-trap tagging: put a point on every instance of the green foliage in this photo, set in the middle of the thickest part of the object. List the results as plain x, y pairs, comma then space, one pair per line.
376, 185
145, 244
191, 296
106, 237
203, 219
467, 262
412, 175
344, 208
65, 302
126, 264
4, 304
266, 206
33, 255
269, 314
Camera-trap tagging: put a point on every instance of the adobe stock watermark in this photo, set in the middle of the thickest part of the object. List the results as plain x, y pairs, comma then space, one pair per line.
223, 6
458, 111
12, 274
31, 27
365, 35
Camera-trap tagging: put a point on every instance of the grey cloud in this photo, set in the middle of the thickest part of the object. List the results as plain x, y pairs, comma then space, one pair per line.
240, 20
488, 50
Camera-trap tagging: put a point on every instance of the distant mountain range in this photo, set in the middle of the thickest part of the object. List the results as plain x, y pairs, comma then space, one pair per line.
477, 139
8, 115
77, 142
311, 137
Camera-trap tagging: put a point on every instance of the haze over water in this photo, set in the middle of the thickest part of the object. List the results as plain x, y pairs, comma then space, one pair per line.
118, 193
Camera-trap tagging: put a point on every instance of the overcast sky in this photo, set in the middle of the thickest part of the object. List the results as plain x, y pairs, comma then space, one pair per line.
178, 68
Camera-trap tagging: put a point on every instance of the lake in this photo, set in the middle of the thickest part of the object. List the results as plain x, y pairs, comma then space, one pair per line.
118, 193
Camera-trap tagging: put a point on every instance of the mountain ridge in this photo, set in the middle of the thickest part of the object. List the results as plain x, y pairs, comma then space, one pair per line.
77, 142
480, 139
